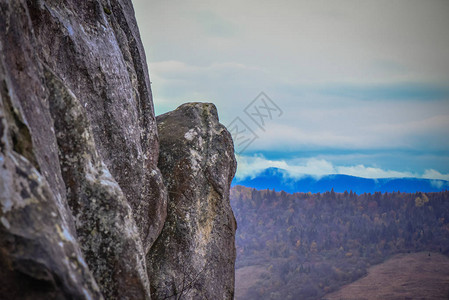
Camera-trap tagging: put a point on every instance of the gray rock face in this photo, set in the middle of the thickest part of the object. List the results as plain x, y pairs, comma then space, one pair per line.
193, 258
39, 255
95, 48
82, 201
77, 111
104, 222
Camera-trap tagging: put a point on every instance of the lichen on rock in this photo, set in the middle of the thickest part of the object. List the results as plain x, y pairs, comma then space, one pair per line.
194, 255
100, 58
39, 255
104, 221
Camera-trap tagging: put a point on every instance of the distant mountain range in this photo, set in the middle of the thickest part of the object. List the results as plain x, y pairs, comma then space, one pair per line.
278, 179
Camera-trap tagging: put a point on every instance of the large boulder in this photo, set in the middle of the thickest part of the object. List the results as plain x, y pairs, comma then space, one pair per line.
194, 256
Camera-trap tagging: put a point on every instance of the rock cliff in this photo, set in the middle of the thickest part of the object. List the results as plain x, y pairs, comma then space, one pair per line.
83, 203
197, 162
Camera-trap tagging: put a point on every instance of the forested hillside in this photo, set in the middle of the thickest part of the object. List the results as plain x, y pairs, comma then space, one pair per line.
303, 245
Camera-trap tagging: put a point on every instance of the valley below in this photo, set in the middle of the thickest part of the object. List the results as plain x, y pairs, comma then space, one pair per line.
420, 275
341, 245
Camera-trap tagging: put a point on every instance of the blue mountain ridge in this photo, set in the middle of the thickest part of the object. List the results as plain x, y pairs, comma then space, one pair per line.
279, 180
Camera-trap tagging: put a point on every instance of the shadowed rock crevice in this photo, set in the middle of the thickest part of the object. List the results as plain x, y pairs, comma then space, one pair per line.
19, 133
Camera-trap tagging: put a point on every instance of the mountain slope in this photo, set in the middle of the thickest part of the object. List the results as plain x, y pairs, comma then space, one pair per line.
421, 275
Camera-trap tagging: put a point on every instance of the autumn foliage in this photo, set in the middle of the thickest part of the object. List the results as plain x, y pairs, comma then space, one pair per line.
311, 244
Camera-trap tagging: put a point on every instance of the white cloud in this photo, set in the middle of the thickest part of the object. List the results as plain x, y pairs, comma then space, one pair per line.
370, 172
433, 174
252, 166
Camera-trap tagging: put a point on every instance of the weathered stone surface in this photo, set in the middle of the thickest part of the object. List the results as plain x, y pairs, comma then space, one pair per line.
104, 223
94, 47
23, 85
194, 255
39, 255
77, 100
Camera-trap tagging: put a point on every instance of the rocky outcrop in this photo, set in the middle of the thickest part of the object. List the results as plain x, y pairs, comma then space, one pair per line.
193, 258
82, 200
78, 110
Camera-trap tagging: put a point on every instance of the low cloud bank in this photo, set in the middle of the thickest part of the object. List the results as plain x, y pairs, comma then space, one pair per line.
251, 166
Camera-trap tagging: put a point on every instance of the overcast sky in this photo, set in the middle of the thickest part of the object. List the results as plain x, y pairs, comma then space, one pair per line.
363, 85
